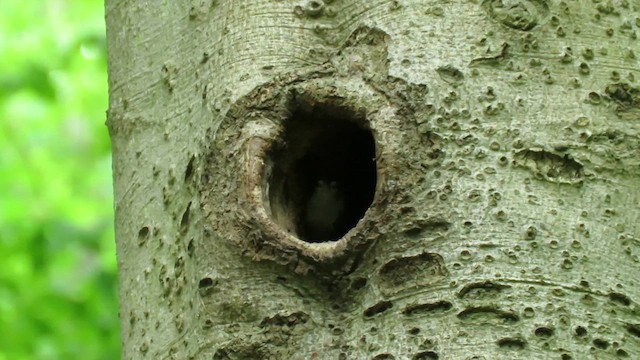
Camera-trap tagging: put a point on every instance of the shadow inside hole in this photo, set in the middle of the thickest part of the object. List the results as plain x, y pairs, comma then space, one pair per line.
321, 177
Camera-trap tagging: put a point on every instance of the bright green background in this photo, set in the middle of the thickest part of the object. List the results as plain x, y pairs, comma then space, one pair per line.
57, 252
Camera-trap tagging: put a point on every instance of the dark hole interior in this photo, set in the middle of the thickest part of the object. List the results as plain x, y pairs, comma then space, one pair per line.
322, 176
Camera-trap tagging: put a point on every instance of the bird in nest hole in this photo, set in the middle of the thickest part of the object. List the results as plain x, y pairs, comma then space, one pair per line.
324, 211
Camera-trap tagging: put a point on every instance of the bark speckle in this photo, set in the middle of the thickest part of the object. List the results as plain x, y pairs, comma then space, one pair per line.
512, 343
424, 268
634, 329
384, 356
488, 313
601, 343
206, 286
528, 312
188, 172
544, 331
426, 355
144, 348
200, 8
521, 15
378, 308
358, 283
169, 75
530, 232
290, 320
624, 94
594, 98
310, 8
430, 308
184, 221
580, 331
560, 168
450, 74
482, 290
622, 353
620, 298
143, 235
207, 324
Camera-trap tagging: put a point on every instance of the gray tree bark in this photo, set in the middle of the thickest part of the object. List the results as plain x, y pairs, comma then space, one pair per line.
376, 179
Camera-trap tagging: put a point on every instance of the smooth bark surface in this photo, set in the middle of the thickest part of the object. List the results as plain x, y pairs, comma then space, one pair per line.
505, 221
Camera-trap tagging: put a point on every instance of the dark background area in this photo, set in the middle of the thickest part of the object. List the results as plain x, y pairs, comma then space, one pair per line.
58, 277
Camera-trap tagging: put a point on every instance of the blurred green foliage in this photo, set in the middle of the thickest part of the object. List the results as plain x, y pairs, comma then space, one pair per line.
57, 251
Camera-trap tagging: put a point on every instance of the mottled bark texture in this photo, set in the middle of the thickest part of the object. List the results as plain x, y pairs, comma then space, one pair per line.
485, 157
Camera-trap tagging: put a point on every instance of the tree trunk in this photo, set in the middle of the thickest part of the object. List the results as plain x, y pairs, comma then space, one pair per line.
376, 179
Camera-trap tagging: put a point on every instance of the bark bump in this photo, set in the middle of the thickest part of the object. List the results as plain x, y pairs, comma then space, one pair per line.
520, 15
421, 269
